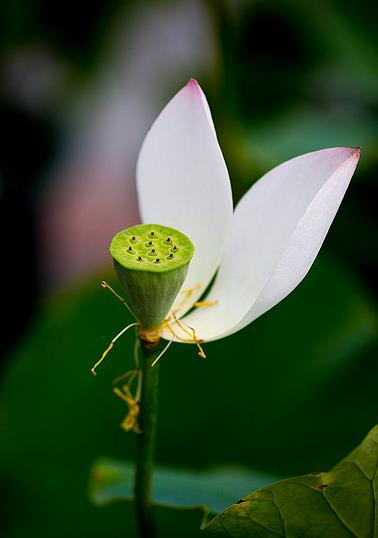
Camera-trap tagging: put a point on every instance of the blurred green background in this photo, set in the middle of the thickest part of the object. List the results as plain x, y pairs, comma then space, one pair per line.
81, 83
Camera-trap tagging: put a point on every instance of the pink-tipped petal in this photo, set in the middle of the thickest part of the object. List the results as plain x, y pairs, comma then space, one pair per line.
182, 181
278, 229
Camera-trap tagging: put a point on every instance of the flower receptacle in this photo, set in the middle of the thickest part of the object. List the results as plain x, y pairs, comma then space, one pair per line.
151, 262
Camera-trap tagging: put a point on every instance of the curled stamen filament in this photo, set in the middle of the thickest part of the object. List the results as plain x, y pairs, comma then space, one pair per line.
110, 346
130, 421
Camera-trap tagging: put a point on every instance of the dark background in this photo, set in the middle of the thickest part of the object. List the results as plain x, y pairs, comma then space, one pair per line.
80, 84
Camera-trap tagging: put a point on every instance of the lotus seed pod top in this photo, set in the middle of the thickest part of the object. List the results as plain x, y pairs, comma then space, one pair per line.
152, 262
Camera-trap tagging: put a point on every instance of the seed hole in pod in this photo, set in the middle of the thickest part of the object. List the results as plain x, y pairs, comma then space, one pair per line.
130, 250
152, 252
157, 260
139, 259
149, 244
152, 235
170, 256
168, 241
133, 240
174, 249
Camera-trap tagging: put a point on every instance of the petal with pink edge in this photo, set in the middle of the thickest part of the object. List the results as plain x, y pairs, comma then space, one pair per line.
182, 182
277, 231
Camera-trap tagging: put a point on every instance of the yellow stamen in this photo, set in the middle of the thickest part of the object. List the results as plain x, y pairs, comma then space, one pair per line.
129, 377
105, 285
110, 346
168, 325
130, 421
189, 291
93, 371
187, 294
175, 335
200, 304
193, 336
201, 352
180, 324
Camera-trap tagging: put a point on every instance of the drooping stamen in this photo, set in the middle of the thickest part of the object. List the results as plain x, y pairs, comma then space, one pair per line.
106, 286
110, 346
163, 351
93, 370
180, 324
193, 336
168, 325
201, 352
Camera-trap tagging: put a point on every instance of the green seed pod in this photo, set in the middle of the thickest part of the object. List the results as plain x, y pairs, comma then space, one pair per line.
151, 262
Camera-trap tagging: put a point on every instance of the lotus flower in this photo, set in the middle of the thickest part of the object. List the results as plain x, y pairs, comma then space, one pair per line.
260, 251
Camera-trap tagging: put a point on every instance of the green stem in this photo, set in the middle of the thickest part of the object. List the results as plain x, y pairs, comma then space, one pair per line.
146, 442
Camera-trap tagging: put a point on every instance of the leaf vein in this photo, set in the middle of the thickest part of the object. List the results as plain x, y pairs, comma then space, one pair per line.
321, 492
338, 516
361, 469
261, 524
374, 499
280, 513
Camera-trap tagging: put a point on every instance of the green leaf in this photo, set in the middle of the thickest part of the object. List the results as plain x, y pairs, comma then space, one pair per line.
337, 504
212, 490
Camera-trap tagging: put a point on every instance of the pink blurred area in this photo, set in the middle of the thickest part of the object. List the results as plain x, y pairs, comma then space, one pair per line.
90, 193
86, 204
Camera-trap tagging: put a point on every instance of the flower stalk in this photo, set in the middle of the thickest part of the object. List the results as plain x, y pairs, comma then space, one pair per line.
152, 262
146, 440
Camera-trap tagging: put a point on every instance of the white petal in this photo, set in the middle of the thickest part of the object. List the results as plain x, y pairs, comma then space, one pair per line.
182, 181
278, 229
